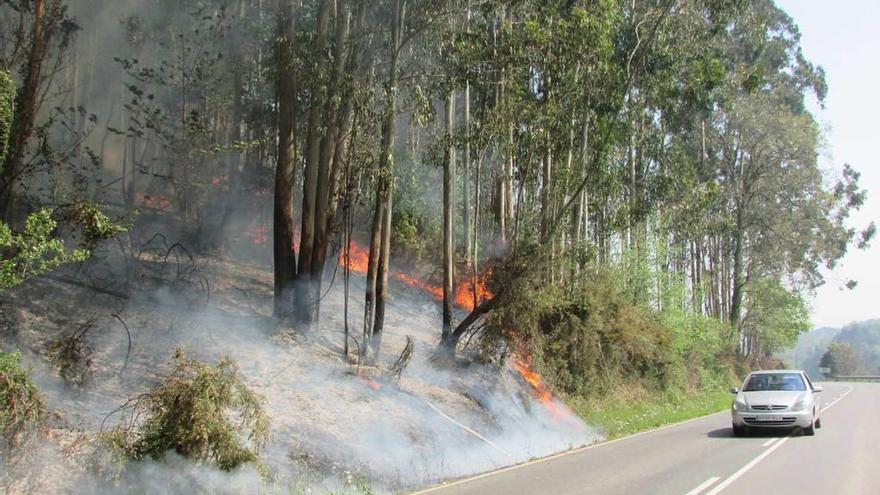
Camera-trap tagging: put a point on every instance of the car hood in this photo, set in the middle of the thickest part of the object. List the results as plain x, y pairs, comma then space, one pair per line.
779, 397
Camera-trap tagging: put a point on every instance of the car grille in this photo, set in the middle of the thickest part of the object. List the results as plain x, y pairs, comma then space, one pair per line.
773, 407
786, 421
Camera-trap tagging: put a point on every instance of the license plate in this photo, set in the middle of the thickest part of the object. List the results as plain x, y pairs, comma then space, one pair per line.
769, 418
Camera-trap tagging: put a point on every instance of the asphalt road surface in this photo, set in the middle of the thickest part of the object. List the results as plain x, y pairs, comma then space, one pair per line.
703, 457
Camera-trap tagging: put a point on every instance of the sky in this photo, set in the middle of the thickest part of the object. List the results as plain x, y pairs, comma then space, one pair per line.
843, 36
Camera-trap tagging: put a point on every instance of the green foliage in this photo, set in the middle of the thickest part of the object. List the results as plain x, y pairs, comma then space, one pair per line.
701, 345
416, 222
585, 340
94, 224
776, 316
7, 101
626, 413
35, 250
202, 412
21, 406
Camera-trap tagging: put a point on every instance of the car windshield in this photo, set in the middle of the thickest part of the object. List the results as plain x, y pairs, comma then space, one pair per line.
775, 381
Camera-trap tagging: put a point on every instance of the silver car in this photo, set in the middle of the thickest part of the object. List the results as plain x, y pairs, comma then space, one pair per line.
776, 399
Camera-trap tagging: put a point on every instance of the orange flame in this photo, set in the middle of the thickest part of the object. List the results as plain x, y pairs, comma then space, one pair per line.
464, 297
358, 259
464, 293
522, 363
358, 262
434, 290
160, 203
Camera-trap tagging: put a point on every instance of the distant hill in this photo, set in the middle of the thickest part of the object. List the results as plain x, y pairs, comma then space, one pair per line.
863, 336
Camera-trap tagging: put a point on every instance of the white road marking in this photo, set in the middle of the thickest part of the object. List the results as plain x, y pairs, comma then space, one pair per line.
769, 442
561, 454
602, 444
743, 470
835, 401
706, 484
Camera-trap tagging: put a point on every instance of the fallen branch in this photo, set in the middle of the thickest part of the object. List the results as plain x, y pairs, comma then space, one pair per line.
128, 351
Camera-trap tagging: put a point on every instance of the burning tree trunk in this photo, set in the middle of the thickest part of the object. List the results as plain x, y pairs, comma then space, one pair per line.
285, 258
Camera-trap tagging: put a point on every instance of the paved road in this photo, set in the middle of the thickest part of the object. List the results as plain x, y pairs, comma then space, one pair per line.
703, 457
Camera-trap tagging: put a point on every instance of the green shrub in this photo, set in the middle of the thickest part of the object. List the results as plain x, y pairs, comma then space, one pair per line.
202, 412
36, 250
21, 406
585, 339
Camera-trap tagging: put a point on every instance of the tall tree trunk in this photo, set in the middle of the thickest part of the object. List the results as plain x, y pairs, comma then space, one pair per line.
327, 168
382, 277
466, 178
380, 238
448, 212
305, 298
738, 282
283, 245
25, 111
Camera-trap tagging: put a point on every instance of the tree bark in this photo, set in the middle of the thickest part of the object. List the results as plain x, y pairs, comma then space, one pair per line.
738, 282
327, 174
448, 212
285, 170
380, 239
305, 298
466, 178
25, 111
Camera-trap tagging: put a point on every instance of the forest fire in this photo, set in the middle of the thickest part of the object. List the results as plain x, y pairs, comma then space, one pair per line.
160, 203
358, 262
464, 294
358, 258
435, 290
522, 363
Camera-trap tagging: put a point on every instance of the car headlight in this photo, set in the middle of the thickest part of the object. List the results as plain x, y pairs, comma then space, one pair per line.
799, 405
739, 406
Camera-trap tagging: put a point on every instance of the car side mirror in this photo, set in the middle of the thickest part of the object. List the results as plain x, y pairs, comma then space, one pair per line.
817, 389
734, 390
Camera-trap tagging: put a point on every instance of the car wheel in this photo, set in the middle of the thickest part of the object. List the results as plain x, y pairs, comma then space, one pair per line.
818, 422
810, 430
739, 431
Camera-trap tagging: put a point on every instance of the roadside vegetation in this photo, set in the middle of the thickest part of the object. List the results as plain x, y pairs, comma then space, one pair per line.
629, 412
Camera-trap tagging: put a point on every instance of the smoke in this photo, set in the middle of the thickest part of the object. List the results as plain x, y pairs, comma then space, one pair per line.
327, 421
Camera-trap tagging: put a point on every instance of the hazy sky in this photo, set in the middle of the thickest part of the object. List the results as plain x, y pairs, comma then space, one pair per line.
843, 36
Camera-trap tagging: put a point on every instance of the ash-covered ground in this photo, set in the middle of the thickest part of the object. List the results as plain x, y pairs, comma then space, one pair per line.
334, 426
